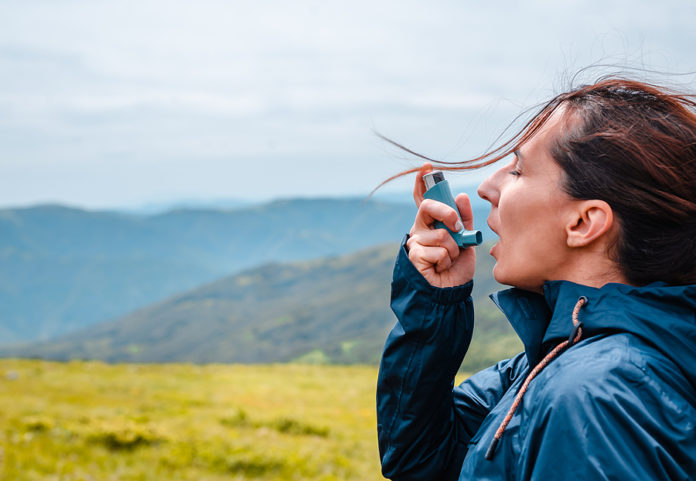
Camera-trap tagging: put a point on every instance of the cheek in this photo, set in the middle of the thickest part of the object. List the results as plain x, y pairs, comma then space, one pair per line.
514, 218
529, 218
530, 246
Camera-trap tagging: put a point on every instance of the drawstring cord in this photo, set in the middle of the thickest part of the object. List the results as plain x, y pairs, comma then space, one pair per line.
575, 336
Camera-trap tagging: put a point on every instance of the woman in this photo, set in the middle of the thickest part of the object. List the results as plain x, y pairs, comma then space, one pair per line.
596, 218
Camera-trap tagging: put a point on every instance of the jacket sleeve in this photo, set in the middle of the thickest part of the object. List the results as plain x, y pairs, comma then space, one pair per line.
424, 424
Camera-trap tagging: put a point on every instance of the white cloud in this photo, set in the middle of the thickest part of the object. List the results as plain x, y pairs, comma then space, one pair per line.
152, 85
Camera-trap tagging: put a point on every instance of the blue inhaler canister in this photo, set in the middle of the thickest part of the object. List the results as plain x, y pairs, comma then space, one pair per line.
437, 188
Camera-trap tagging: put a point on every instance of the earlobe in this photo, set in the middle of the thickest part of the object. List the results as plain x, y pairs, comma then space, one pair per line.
592, 219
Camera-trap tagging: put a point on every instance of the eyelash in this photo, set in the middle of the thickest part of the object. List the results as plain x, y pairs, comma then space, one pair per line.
515, 172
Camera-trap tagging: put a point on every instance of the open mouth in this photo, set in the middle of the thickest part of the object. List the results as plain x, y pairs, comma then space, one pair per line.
491, 251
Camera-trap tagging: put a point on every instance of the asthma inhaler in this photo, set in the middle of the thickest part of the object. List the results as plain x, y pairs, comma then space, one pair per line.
437, 188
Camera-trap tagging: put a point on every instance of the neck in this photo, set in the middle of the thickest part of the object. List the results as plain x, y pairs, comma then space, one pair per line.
592, 269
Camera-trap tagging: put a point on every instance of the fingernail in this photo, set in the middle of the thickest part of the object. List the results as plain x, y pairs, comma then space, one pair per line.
458, 226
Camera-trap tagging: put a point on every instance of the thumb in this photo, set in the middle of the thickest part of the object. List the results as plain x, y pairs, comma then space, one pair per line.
465, 212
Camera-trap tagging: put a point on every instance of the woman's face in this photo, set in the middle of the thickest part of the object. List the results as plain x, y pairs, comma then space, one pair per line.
529, 212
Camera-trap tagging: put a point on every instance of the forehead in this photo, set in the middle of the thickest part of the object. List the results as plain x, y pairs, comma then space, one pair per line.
556, 125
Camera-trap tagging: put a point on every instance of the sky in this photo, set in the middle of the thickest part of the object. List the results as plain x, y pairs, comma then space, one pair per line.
126, 103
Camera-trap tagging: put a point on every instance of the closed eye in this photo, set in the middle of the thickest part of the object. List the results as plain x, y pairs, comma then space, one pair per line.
516, 167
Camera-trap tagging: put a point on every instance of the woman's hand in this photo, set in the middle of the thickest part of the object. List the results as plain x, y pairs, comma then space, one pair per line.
433, 251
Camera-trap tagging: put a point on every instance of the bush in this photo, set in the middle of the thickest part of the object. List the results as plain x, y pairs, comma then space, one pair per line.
125, 436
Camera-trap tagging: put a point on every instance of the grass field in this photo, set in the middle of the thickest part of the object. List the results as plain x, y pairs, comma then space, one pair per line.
94, 421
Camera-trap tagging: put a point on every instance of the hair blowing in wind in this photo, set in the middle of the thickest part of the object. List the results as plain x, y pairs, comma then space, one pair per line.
632, 145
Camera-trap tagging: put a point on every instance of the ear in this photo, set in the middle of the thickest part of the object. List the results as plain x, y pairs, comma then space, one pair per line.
591, 220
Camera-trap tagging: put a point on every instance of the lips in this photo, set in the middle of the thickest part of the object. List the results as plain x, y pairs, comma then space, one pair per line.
488, 221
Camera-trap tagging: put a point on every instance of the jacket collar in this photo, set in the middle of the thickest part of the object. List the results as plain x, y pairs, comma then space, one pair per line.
660, 314
529, 316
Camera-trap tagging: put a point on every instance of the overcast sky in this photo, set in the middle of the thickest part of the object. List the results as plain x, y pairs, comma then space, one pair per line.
112, 104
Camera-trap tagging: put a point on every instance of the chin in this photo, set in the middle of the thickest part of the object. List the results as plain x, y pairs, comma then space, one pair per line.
501, 274
527, 284
501, 278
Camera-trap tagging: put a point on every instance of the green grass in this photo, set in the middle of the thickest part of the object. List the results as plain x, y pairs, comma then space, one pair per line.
94, 421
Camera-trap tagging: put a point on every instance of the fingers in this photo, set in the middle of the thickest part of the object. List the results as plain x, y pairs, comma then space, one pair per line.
436, 238
419, 186
431, 211
429, 257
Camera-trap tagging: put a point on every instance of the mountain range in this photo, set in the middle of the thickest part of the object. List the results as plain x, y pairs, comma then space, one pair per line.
329, 310
63, 269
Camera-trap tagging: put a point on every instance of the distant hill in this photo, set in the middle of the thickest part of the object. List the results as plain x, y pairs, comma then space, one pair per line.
62, 268
329, 310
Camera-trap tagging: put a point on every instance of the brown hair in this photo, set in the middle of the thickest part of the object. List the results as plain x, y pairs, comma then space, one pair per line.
634, 147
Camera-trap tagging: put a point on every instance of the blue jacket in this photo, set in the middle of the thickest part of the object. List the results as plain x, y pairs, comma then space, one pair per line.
619, 404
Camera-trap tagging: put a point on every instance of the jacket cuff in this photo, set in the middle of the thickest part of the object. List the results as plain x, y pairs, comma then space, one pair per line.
406, 272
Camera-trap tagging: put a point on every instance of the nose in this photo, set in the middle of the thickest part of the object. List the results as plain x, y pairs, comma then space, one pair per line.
490, 188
